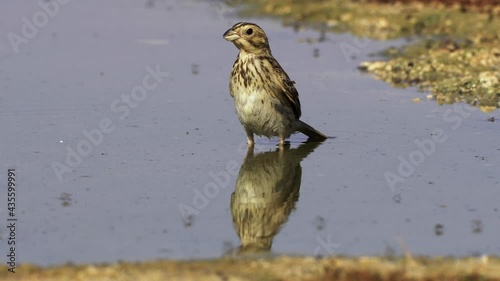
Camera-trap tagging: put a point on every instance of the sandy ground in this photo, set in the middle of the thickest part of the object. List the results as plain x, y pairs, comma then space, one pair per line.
283, 268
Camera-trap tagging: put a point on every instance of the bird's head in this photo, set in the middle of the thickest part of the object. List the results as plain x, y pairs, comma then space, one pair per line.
248, 37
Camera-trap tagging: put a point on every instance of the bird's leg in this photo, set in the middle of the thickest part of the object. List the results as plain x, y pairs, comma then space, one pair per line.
250, 141
282, 141
249, 151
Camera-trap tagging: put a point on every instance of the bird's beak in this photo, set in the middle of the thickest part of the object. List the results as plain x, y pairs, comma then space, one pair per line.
230, 35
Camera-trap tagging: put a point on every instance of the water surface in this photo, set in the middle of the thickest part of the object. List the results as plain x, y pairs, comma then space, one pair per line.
123, 200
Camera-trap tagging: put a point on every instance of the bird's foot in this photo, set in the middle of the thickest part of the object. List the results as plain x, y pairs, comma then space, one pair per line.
250, 141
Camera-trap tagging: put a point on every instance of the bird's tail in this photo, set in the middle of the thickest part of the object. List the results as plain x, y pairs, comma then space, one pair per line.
313, 134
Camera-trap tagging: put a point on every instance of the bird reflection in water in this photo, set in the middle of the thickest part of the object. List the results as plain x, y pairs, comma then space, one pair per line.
266, 192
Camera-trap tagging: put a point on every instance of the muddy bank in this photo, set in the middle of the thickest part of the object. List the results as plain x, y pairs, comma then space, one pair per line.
452, 71
282, 268
455, 55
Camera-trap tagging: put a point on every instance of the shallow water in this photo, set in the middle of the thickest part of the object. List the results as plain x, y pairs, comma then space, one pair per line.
122, 201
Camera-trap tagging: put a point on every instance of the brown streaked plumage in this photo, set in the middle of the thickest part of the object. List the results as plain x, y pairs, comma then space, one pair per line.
266, 191
265, 98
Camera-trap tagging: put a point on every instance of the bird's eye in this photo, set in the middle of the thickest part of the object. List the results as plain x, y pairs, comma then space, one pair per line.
249, 31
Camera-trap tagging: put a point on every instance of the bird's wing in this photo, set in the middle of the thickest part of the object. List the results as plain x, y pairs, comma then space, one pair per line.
231, 87
283, 89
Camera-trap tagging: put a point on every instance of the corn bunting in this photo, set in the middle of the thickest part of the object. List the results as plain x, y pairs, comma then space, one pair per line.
265, 98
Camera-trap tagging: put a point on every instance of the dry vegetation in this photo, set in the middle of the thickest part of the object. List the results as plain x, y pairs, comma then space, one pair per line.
282, 268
